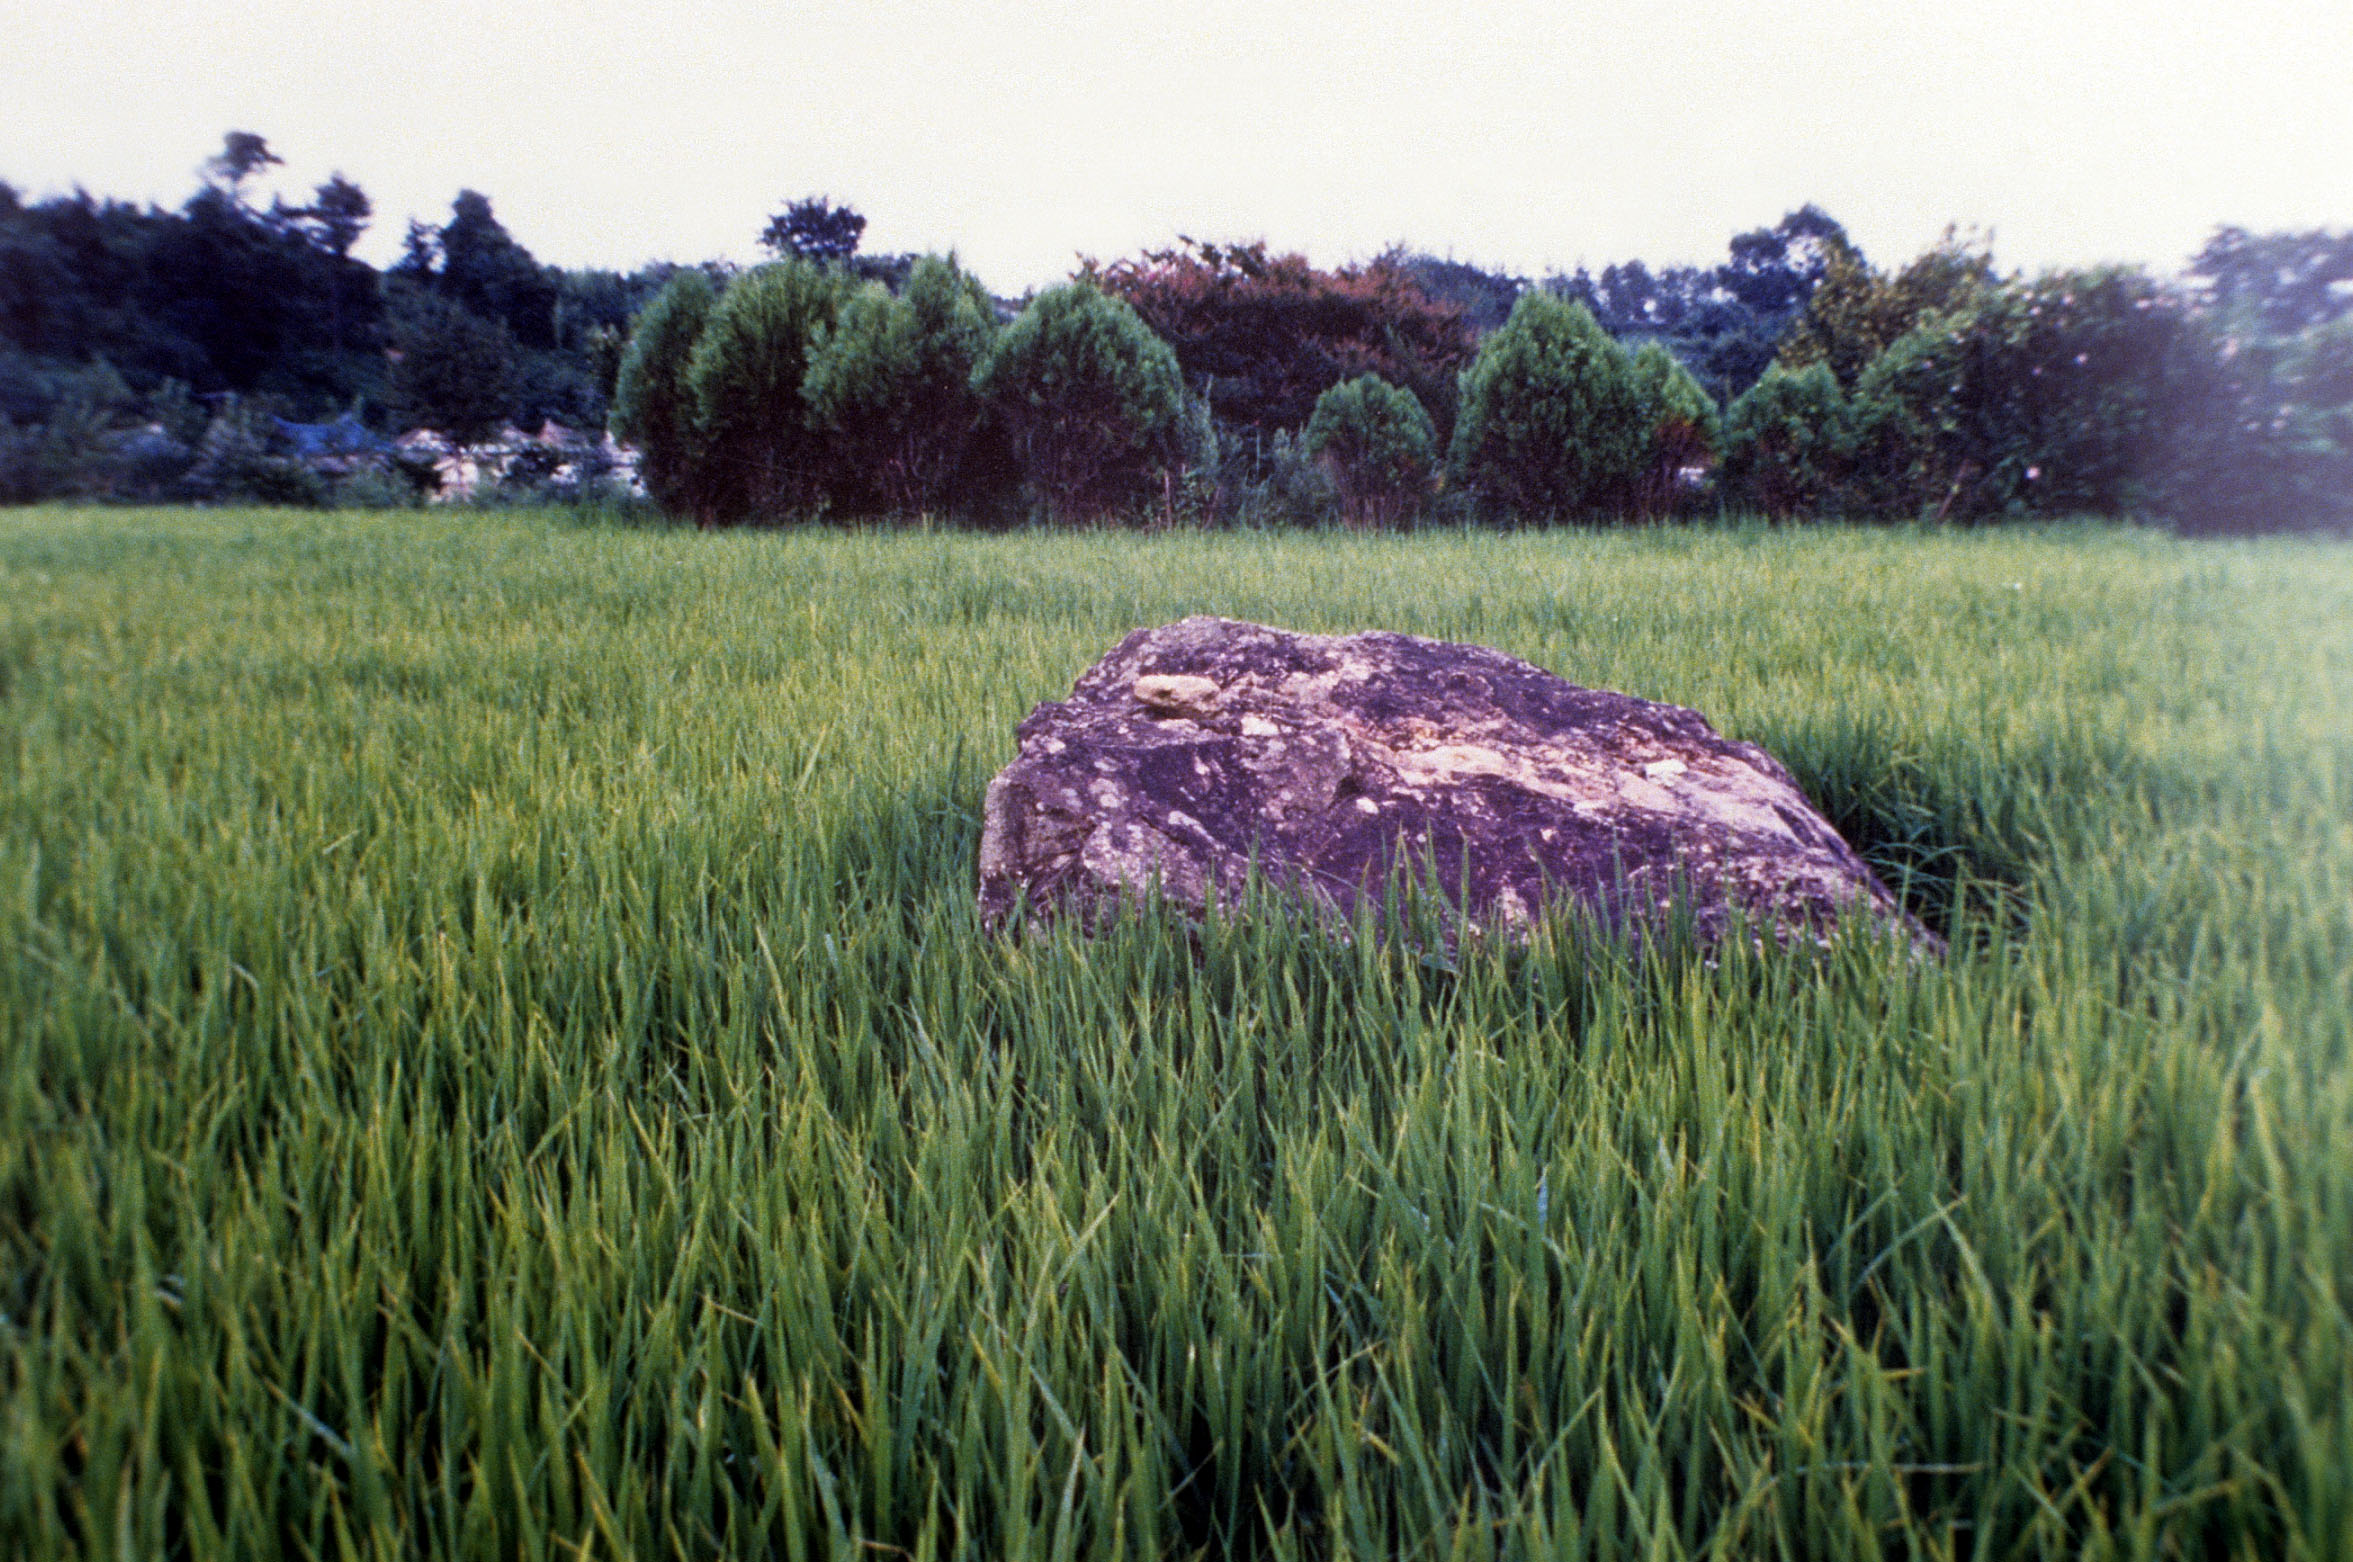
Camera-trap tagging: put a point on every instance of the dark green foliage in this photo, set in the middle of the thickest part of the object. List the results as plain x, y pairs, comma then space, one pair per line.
891, 385
1724, 322
653, 398
1724, 349
1091, 399
223, 281
1269, 480
2315, 384
589, 302
57, 430
1682, 430
456, 373
256, 304
2220, 407
1856, 312
2262, 417
332, 224
764, 457
420, 253
482, 268
1774, 271
1971, 396
1261, 335
574, 382
601, 348
217, 296
2277, 284
242, 155
1789, 446
472, 262
892, 271
2047, 397
558, 387
242, 458
336, 218
1482, 298
84, 433
1377, 442
815, 229
2260, 433
270, 305
1551, 424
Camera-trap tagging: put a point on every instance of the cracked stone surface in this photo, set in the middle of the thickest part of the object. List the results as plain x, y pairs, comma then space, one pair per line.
1195, 748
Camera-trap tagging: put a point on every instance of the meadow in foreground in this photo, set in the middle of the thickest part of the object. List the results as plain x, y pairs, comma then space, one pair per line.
497, 1059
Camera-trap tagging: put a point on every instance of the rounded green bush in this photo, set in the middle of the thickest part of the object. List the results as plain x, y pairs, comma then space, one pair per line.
764, 454
1091, 398
891, 384
1377, 442
653, 405
1551, 424
1682, 425
1788, 442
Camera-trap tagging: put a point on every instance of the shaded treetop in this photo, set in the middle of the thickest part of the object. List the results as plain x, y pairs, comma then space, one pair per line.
813, 228
1262, 336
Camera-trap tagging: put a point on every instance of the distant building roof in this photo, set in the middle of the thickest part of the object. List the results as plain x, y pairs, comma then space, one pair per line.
346, 436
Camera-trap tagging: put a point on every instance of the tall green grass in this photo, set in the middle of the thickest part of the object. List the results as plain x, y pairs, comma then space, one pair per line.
497, 1059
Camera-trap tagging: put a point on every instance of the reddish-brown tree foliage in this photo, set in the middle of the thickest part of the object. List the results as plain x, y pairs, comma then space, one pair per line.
1264, 335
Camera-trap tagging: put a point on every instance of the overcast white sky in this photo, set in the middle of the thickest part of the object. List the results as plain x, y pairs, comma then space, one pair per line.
1530, 136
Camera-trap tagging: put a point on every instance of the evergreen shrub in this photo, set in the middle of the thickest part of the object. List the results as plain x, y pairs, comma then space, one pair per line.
1789, 443
1551, 423
653, 402
1091, 400
891, 385
1682, 427
764, 456
1377, 442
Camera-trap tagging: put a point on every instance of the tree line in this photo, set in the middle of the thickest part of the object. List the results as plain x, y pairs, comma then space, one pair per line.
1204, 383
1212, 383
151, 353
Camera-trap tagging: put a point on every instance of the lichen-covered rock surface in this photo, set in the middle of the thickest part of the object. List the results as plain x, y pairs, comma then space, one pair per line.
1196, 748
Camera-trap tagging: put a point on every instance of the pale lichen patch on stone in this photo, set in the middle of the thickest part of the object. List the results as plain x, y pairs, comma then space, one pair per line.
1178, 692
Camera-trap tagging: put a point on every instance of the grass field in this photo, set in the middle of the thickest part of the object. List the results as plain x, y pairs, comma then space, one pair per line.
497, 1060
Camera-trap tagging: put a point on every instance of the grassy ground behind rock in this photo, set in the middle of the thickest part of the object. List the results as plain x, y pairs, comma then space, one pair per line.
496, 1059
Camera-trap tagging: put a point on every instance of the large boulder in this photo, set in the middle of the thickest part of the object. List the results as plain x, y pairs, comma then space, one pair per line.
1194, 750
